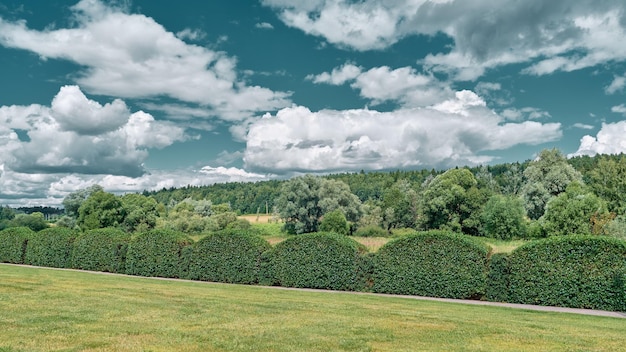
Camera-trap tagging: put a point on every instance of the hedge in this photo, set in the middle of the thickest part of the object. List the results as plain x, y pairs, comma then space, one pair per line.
232, 256
51, 247
498, 278
571, 271
435, 263
13, 244
158, 252
316, 260
101, 250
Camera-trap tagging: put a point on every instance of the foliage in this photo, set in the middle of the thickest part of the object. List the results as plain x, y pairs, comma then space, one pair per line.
74, 200
401, 206
570, 271
303, 200
497, 289
546, 177
232, 256
67, 221
157, 252
316, 260
101, 250
335, 222
617, 228
100, 210
34, 221
434, 263
140, 212
13, 244
608, 180
371, 231
503, 218
452, 202
571, 212
51, 247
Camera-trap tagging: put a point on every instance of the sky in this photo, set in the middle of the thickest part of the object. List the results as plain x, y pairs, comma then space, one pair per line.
145, 94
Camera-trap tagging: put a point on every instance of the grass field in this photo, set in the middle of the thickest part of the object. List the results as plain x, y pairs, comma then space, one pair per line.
55, 310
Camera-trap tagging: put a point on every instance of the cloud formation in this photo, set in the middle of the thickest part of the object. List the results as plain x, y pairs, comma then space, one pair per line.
609, 140
455, 132
562, 35
132, 56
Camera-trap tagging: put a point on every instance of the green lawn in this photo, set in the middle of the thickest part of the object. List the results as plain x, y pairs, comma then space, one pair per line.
55, 310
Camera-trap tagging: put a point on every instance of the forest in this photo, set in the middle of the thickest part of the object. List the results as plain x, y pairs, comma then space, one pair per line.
550, 195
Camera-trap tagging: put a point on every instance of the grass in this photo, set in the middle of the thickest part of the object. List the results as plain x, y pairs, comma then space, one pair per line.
56, 310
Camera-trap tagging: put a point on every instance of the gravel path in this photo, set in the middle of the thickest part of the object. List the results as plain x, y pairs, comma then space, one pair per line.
602, 313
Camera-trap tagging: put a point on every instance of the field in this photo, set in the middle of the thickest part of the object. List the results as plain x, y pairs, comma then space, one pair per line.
59, 310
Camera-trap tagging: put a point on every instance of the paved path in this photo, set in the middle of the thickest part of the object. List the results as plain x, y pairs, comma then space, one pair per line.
602, 313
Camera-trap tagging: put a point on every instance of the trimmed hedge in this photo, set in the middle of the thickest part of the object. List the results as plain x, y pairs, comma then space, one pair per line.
51, 247
498, 278
571, 271
13, 244
158, 252
316, 260
435, 263
232, 256
101, 250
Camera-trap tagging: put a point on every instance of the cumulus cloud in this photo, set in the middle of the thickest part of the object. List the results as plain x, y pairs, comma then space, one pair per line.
132, 56
562, 34
454, 132
618, 84
381, 84
264, 25
79, 135
611, 139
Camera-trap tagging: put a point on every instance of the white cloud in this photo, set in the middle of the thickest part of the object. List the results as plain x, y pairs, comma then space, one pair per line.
191, 34
620, 109
527, 113
583, 126
132, 56
611, 139
381, 84
455, 132
264, 25
563, 34
618, 83
118, 147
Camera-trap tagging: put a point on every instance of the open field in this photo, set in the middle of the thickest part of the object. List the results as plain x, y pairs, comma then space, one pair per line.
56, 310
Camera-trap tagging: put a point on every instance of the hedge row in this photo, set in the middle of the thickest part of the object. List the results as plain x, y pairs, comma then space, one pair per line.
571, 271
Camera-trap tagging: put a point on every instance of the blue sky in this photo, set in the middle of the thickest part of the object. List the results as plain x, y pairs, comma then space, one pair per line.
146, 94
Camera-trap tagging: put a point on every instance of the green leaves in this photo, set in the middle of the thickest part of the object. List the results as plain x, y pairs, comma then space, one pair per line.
158, 253
101, 250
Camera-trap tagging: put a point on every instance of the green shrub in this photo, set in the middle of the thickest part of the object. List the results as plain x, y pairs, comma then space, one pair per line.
435, 263
51, 247
336, 222
497, 289
13, 244
101, 250
158, 252
572, 271
371, 231
232, 256
315, 260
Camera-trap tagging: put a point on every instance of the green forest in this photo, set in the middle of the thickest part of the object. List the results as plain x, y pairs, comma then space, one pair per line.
551, 195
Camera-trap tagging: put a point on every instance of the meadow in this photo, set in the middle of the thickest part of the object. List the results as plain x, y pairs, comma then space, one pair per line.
64, 310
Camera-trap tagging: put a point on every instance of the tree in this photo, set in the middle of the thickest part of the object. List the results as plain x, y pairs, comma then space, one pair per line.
503, 218
100, 210
6, 214
335, 222
73, 201
608, 180
401, 206
571, 212
303, 200
34, 221
546, 177
140, 212
453, 202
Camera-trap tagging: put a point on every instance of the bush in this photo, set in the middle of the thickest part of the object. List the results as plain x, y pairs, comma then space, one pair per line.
316, 260
503, 218
158, 252
13, 244
371, 231
498, 278
572, 271
51, 247
232, 256
434, 263
101, 250
336, 222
